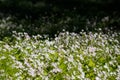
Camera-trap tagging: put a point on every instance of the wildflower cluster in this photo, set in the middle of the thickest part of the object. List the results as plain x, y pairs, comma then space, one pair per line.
70, 56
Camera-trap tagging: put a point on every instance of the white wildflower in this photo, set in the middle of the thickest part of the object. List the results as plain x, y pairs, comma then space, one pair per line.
70, 58
7, 47
19, 64
31, 72
97, 78
54, 65
26, 63
3, 57
56, 70
92, 49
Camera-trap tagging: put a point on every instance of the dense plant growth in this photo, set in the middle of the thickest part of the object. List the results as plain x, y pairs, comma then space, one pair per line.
59, 40
70, 56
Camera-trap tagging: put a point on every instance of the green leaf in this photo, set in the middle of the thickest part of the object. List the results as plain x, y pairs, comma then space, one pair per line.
118, 59
91, 63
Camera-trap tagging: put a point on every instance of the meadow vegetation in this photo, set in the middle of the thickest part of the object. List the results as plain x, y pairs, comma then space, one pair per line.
59, 40
68, 56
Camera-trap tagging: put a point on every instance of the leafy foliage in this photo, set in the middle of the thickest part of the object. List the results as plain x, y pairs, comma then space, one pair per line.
69, 56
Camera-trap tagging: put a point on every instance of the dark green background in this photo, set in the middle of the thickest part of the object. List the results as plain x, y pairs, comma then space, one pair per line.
52, 16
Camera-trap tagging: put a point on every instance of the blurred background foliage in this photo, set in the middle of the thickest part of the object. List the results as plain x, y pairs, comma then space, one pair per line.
36, 7
52, 16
